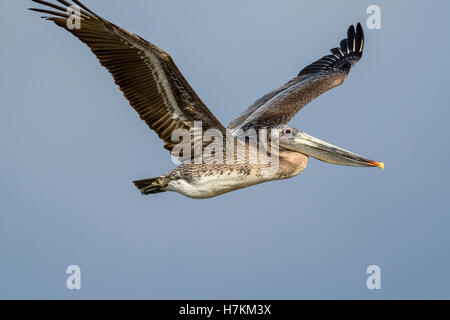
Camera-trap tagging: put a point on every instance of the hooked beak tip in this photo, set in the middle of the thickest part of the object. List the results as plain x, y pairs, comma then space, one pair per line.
377, 164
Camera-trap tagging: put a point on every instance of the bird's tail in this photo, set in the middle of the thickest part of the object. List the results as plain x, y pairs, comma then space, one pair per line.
152, 185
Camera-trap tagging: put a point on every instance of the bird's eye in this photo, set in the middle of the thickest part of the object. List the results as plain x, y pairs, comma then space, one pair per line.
288, 131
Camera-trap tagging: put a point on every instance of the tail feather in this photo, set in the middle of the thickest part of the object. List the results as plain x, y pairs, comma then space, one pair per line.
152, 185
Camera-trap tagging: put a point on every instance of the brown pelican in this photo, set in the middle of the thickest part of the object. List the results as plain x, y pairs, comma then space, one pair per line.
157, 90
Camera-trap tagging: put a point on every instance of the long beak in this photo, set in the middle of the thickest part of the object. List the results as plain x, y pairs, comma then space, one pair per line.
326, 152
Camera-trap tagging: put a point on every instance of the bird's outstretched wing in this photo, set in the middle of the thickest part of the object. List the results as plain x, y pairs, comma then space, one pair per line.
279, 106
147, 75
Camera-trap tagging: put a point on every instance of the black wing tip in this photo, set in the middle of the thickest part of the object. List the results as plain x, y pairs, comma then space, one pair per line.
354, 44
351, 32
356, 35
356, 30
360, 34
79, 7
343, 57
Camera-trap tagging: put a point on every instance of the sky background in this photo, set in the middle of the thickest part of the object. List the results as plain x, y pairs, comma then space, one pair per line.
71, 145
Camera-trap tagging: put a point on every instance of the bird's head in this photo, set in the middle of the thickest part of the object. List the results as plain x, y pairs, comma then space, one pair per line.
295, 140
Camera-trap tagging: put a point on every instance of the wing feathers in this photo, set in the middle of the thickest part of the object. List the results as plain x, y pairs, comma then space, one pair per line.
146, 75
350, 51
279, 106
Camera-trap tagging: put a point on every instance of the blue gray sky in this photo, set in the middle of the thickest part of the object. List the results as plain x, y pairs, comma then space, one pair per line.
71, 146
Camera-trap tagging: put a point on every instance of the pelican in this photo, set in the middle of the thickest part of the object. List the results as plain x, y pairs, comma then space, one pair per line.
157, 90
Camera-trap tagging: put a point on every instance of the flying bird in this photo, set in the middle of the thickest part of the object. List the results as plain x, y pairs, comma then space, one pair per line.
157, 90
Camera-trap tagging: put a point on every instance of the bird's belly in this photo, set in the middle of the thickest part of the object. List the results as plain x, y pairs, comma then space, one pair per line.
213, 185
